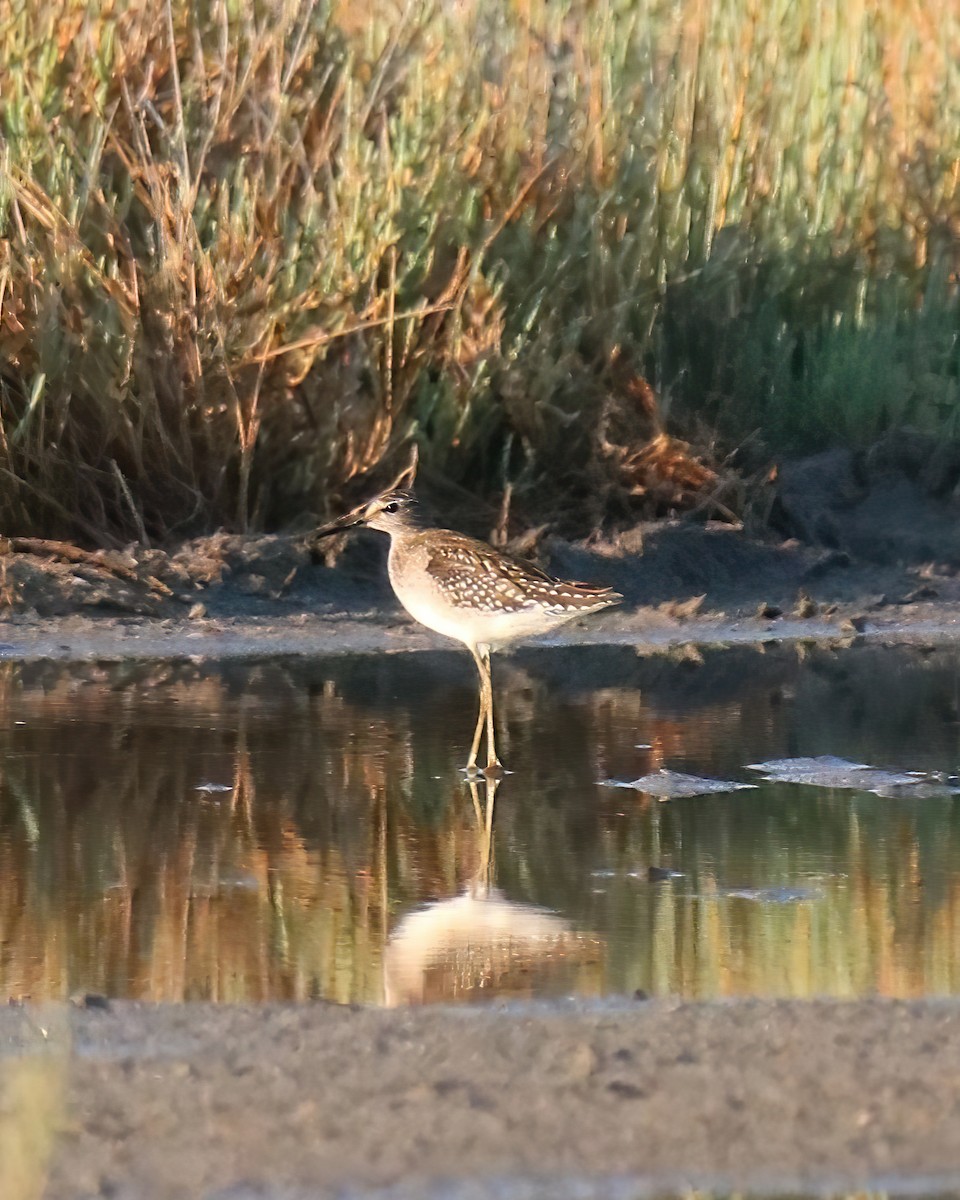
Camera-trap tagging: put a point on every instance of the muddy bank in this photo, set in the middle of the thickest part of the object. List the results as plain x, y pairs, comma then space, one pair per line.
843, 544
514, 1101
228, 596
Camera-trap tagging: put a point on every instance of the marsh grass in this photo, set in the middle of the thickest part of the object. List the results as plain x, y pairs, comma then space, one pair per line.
250, 252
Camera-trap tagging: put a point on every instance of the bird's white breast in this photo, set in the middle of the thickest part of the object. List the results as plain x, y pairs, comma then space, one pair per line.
426, 601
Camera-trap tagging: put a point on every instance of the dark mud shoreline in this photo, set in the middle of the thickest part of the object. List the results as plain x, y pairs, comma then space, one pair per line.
612, 1100
849, 544
229, 596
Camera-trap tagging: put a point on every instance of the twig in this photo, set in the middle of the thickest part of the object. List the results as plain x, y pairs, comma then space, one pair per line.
321, 339
90, 558
94, 533
178, 100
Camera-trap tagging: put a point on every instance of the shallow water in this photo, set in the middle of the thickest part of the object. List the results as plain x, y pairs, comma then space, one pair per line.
337, 851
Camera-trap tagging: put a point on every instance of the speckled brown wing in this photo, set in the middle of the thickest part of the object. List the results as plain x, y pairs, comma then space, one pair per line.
474, 575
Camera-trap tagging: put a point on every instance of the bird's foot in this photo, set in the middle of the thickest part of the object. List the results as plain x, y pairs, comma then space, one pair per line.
493, 770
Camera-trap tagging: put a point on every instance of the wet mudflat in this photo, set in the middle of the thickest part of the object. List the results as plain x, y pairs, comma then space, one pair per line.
296, 829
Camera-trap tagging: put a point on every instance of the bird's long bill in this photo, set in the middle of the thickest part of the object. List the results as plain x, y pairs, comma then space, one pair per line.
347, 521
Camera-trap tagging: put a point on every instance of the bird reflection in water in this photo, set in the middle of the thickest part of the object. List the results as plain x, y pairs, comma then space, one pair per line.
479, 945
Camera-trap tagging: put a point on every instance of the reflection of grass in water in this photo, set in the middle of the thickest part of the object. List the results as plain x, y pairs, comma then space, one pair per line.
881, 928
123, 879
185, 897
32, 1102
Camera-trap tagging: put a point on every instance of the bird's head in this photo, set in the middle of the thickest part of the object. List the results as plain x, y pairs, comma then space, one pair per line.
392, 512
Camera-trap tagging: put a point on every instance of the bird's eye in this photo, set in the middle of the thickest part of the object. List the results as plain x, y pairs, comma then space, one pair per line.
392, 507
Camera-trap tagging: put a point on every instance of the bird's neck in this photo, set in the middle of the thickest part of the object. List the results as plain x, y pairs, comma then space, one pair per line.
403, 536
401, 541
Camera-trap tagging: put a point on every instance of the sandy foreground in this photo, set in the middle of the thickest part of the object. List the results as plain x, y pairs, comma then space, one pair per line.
617, 1100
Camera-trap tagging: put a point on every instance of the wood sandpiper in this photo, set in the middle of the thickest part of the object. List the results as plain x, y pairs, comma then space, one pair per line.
467, 590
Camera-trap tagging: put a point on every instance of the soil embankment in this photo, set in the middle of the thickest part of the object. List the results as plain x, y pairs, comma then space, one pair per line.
847, 548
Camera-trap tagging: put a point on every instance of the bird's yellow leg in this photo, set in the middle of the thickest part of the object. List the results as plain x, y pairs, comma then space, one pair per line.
481, 715
493, 763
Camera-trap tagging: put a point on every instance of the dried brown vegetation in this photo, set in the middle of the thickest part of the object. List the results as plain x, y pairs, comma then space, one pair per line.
249, 253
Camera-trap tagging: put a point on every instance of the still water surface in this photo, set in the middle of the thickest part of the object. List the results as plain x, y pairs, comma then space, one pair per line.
349, 860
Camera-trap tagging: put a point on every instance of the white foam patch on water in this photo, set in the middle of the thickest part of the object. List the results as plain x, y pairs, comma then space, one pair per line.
673, 785
827, 771
823, 762
772, 895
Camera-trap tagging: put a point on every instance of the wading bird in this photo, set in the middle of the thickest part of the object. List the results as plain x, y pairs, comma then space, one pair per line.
466, 590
